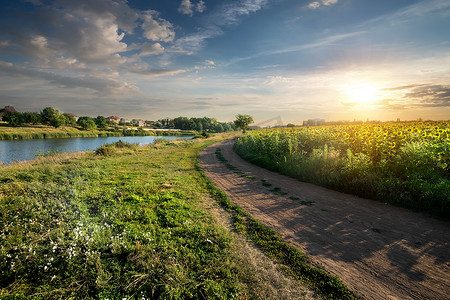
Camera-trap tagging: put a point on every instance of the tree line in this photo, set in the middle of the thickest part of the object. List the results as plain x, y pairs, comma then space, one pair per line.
197, 124
52, 117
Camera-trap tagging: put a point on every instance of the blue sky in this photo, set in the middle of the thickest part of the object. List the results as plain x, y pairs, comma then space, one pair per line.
330, 59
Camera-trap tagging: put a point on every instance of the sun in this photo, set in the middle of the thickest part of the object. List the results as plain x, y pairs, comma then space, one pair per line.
361, 93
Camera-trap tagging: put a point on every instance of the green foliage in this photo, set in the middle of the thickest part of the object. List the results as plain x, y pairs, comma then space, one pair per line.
406, 164
13, 118
52, 117
49, 153
197, 124
69, 119
109, 149
243, 121
101, 123
32, 118
87, 123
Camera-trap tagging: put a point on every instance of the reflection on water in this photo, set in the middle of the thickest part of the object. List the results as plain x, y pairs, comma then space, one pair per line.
15, 150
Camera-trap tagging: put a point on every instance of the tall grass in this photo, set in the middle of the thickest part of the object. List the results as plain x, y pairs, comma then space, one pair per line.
404, 164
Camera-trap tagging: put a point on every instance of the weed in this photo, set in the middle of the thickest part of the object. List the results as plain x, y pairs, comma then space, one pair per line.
265, 183
277, 191
307, 203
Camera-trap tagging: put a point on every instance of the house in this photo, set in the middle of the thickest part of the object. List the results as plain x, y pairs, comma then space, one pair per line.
7, 108
114, 119
74, 116
138, 122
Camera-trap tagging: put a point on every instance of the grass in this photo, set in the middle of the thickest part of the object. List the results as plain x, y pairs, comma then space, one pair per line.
121, 224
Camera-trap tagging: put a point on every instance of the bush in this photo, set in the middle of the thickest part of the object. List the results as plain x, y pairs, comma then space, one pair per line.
109, 149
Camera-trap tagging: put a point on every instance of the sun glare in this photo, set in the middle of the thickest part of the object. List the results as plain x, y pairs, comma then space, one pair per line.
361, 93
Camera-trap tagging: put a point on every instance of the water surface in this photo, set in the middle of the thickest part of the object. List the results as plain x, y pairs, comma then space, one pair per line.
23, 150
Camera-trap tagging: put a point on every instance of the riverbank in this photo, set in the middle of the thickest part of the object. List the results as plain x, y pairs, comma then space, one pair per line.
125, 223
46, 132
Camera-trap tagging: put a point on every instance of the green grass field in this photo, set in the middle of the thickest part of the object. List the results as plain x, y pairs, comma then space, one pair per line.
123, 223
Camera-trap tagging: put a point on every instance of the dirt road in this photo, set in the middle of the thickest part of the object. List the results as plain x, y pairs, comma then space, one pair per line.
378, 250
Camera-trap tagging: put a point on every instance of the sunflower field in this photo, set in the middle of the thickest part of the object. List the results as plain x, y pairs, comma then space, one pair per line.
406, 164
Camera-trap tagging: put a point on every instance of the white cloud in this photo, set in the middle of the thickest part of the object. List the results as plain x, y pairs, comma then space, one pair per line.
145, 69
227, 14
103, 85
157, 29
151, 49
201, 7
314, 5
329, 2
318, 4
187, 8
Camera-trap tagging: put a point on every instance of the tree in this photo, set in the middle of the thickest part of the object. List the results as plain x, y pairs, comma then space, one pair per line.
242, 121
52, 117
86, 123
100, 121
218, 128
70, 120
32, 118
227, 127
14, 118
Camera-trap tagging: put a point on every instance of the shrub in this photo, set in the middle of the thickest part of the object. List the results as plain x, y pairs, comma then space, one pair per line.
109, 149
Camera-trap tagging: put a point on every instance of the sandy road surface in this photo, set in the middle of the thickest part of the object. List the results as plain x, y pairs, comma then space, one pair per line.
379, 251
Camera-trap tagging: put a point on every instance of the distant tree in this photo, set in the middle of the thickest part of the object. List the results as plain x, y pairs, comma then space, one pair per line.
32, 118
218, 128
52, 117
227, 127
101, 123
182, 123
14, 118
87, 123
70, 120
242, 121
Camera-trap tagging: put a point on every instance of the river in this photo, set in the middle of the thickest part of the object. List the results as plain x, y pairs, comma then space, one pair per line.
24, 150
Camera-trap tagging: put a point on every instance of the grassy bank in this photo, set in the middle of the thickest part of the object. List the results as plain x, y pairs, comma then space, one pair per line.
117, 226
119, 223
46, 132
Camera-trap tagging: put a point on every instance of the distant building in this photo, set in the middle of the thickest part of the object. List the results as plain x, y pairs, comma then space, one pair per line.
314, 122
74, 116
7, 108
114, 119
138, 122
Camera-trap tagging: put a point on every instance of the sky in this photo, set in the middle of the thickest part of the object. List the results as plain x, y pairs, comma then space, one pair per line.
293, 59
